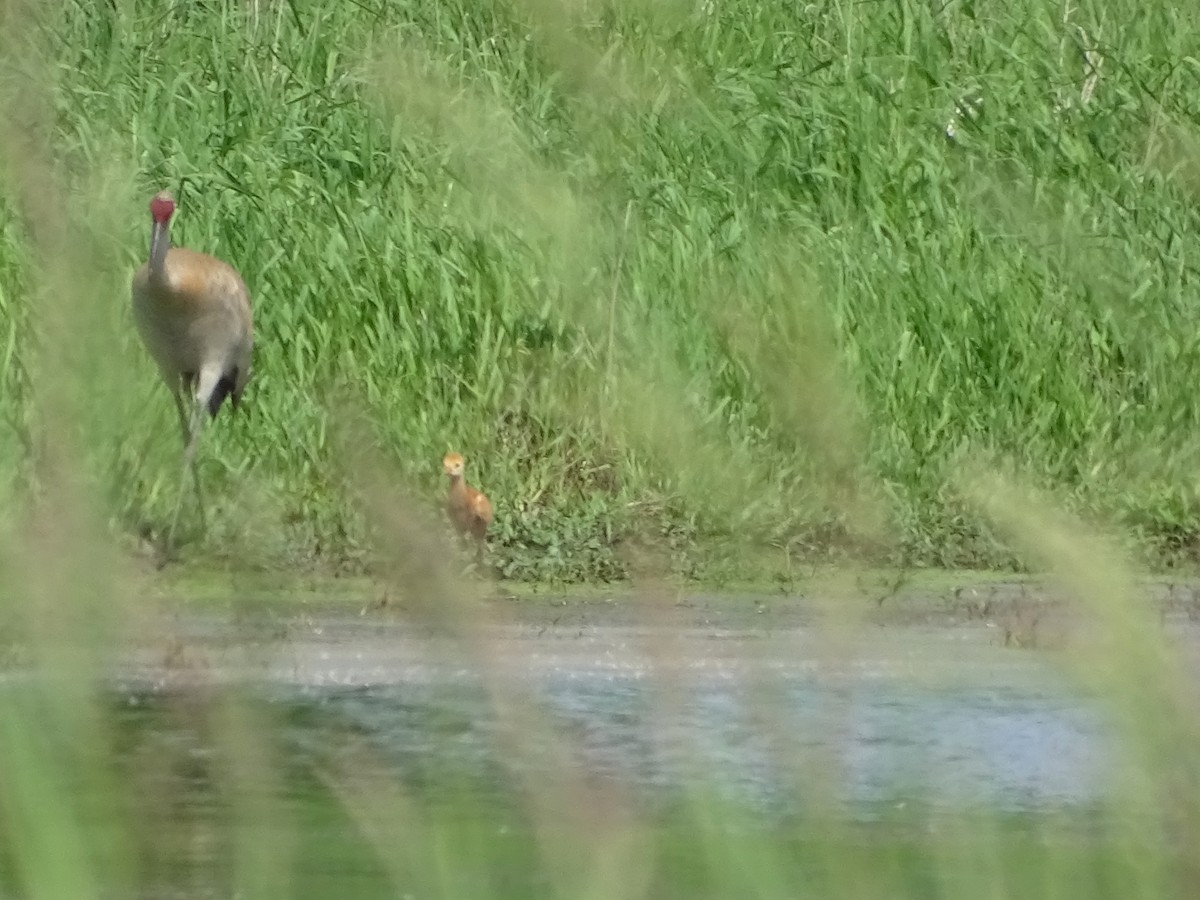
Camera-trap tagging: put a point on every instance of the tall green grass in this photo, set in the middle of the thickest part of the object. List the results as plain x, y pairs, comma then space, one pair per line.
667, 273
681, 280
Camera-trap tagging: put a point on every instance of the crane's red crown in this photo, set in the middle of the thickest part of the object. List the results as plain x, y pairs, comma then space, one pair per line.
162, 207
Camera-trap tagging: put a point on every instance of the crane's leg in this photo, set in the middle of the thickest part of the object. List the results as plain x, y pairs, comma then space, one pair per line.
195, 424
177, 395
186, 431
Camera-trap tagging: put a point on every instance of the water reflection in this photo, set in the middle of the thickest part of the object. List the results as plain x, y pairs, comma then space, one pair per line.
922, 717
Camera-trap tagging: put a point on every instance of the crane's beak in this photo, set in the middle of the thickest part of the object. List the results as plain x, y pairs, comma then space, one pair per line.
160, 242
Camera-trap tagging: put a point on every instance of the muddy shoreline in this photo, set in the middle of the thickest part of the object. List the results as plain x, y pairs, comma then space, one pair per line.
1022, 613
1019, 613
362, 634
905, 606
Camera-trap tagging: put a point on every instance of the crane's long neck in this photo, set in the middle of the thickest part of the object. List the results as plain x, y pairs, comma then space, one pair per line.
160, 243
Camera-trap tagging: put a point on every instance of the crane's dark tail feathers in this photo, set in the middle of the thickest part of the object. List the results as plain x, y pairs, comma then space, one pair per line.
224, 388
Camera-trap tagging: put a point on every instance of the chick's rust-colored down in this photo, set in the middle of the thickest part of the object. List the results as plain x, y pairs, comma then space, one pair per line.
192, 312
469, 509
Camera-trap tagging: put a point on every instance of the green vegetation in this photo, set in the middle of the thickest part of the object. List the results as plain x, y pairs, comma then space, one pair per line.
680, 279
699, 289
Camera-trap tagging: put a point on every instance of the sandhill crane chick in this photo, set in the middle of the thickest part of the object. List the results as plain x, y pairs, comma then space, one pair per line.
469, 509
192, 311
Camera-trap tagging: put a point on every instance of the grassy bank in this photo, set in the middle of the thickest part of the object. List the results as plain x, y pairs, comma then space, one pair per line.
679, 279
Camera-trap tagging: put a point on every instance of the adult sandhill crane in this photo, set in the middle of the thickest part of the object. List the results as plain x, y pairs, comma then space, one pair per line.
193, 313
469, 509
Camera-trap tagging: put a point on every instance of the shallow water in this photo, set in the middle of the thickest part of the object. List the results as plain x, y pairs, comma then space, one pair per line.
935, 717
